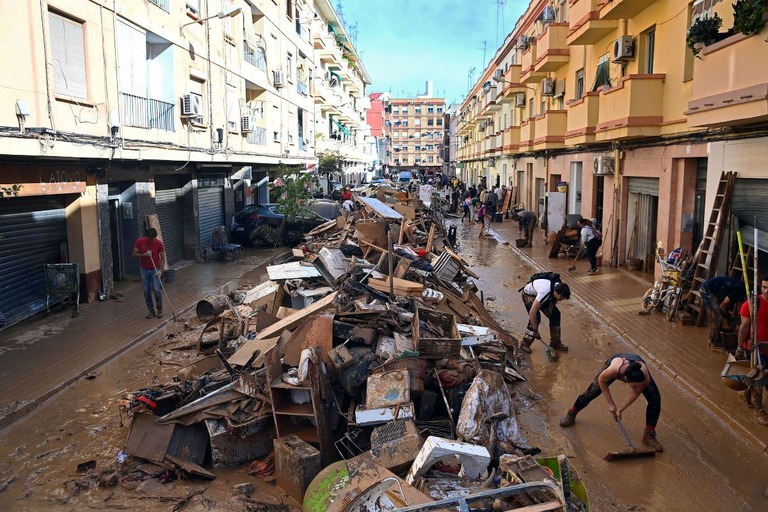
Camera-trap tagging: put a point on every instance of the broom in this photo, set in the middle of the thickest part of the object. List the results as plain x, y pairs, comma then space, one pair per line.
628, 454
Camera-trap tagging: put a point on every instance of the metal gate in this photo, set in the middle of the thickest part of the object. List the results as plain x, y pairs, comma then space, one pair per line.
210, 208
170, 214
34, 232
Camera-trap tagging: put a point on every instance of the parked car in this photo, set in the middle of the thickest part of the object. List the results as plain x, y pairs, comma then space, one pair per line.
335, 192
260, 224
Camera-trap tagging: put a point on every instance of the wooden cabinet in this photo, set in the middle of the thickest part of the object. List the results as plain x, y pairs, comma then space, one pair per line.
309, 419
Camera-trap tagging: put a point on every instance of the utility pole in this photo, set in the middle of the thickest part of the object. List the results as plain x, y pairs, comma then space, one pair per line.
499, 17
470, 78
485, 46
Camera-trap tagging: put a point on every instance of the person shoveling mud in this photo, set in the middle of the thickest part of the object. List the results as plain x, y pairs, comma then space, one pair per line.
629, 368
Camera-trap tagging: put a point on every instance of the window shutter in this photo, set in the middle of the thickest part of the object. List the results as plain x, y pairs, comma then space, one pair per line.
233, 110
68, 54
132, 59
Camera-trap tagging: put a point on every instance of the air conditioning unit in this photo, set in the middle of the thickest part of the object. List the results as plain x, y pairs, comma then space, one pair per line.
520, 100
499, 75
247, 123
623, 49
191, 104
603, 165
548, 15
278, 78
523, 43
547, 87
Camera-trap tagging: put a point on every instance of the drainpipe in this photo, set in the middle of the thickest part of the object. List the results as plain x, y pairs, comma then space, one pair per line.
616, 205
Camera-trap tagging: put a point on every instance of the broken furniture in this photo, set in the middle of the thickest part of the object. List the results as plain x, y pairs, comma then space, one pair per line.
301, 409
296, 464
223, 247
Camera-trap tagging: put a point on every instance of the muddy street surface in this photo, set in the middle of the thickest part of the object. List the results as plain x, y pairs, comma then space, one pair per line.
704, 466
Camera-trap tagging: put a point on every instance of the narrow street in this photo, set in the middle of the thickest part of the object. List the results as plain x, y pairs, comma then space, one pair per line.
705, 466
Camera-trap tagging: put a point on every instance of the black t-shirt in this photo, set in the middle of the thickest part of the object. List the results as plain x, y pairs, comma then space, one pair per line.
724, 286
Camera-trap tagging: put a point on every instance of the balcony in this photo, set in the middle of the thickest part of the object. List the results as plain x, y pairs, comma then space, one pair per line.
147, 113
512, 76
550, 130
527, 134
728, 87
527, 73
582, 119
510, 140
585, 26
552, 52
632, 109
622, 9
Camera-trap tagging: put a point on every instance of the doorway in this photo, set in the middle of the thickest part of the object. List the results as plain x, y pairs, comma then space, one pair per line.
115, 242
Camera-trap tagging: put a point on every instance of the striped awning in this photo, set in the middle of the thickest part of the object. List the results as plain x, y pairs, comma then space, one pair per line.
703, 6
341, 127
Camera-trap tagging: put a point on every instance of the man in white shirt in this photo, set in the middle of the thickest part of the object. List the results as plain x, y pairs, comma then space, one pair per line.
542, 296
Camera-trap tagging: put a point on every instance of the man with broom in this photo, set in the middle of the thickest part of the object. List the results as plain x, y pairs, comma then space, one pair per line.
752, 397
631, 369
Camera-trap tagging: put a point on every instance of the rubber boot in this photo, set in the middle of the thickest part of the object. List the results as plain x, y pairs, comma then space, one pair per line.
761, 418
569, 419
649, 440
525, 344
555, 342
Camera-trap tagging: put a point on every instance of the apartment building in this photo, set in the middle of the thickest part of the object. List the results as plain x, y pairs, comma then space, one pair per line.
417, 129
123, 113
606, 97
379, 131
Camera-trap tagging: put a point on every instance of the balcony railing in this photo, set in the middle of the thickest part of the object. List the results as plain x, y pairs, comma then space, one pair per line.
551, 50
258, 136
582, 119
623, 9
585, 26
254, 57
147, 113
634, 108
550, 129
163, 4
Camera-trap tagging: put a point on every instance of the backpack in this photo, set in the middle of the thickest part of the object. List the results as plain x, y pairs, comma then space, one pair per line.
552, 277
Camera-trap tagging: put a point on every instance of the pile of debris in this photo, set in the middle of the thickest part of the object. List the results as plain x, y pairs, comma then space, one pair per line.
367, 359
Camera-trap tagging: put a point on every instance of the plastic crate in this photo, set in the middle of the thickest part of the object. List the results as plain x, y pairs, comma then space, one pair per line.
436, 345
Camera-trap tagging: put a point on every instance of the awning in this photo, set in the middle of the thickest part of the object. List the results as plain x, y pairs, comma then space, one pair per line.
336, 33
341, 127
336, 75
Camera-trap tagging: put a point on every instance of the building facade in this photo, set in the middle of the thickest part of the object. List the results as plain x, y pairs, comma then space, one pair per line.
417, 129
605, 101
158, 112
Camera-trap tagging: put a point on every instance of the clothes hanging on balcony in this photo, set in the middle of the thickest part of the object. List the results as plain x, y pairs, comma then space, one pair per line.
603, 75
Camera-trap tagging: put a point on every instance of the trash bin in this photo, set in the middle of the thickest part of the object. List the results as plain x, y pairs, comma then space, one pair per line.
169, 276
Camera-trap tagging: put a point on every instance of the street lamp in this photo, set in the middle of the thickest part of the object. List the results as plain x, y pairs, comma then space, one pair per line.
498, 78
230, 12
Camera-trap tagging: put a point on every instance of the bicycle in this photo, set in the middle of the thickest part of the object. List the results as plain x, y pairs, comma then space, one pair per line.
667, 293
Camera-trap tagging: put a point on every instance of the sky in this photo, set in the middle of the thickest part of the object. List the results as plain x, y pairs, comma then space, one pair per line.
405, 43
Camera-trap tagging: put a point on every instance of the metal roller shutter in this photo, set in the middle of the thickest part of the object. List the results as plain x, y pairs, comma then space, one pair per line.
170, 214
33, 231
649, 186
748, 204
210, 208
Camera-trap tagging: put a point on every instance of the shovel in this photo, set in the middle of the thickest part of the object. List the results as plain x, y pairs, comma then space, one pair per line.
628, 454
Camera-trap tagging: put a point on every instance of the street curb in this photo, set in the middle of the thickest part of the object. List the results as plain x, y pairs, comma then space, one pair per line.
676, 378
34, 403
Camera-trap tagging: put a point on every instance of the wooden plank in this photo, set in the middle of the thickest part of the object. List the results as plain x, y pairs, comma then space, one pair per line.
402, 287
431, 237
293, 320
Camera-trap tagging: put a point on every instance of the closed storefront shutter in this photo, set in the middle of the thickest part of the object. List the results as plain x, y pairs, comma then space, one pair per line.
649, 186
211, 213
34, 232
748, 205
170, 213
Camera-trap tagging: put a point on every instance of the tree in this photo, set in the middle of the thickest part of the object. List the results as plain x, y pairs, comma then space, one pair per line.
292, 192
329, 165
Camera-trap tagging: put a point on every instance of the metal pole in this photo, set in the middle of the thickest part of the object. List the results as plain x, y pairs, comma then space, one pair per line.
756, 294
391, 263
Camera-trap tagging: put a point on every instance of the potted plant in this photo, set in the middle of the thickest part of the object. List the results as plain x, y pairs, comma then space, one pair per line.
749, 16
703, 32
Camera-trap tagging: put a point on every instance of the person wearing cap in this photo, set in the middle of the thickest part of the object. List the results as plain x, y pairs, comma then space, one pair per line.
542, 296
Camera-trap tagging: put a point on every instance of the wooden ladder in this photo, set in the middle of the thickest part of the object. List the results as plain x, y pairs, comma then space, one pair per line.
705, 259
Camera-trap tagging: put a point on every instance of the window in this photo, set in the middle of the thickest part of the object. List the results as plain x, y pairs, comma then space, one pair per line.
233, 109
603, 73
404, 123
395, 135
543, 105
193, 6
430, 110
439, 110
197, 91
430, 122
650, 50
417, 122
417, 147
579, 83
561, 11
439, 135
430, 159
68, 56
404, 148
275, 123
404, 110
289, 9
227, 4
289, 68
429, 135
395, 109
430, 147
439, 121
418, 110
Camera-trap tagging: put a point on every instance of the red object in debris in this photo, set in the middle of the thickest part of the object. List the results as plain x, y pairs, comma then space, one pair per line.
150, 403
421, 252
